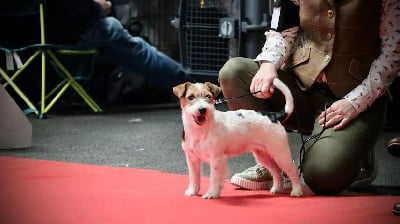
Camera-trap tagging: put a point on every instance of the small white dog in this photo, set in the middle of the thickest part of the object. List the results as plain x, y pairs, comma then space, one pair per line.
213, 136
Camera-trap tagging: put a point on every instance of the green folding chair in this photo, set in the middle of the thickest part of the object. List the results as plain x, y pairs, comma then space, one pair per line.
47, 52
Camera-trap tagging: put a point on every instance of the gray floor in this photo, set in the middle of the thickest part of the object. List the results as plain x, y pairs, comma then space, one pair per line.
149, 137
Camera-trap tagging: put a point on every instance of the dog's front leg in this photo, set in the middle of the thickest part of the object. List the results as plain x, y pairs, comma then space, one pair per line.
194, 167
218, 169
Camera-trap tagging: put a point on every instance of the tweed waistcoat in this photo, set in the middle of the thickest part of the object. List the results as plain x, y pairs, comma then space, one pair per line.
338, 37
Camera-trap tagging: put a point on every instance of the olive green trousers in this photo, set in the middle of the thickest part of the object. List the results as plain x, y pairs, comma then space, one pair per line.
332, 161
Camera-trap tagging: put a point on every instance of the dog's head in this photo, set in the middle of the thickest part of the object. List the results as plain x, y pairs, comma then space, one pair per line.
197, 99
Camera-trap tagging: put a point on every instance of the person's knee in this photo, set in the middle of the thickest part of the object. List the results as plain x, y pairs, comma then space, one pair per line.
112, 24
326, 178
231, 70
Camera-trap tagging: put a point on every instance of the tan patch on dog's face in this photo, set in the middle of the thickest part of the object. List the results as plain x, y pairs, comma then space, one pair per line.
188, 93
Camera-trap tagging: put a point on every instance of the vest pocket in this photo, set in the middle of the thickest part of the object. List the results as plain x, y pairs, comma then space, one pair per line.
358, 70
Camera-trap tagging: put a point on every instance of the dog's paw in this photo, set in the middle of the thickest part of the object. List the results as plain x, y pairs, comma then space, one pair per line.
296, 192
211, 195
191, 192
276, 189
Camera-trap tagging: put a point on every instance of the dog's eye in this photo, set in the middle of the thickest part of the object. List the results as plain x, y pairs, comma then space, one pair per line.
191, 97
208, 96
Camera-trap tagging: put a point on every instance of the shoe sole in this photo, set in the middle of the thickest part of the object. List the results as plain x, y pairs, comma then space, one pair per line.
368, 181
250, 185
394, 149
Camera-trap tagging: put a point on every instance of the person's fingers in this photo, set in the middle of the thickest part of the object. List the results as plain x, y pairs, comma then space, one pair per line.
253, 86
322, 119
330, 117
264, 91
333, 120
325, 115
342, 124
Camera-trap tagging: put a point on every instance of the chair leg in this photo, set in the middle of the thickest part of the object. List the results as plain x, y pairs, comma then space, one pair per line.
26, 64
10, 82
58, 95
78, 88
43, 89
61, 88
55, 89
58, 90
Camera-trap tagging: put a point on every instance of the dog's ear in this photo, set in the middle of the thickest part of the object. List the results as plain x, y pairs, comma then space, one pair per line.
213, 88
180, 89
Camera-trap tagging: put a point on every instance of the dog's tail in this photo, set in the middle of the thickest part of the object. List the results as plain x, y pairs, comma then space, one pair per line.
289, 105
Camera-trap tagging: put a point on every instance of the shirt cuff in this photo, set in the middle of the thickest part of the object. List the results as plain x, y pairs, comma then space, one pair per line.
274, 49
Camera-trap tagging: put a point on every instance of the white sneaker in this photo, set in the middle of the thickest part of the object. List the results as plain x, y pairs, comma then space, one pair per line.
253, 178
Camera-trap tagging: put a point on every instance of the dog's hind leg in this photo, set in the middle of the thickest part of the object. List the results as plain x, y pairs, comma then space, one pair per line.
194, 167
265, 160
284, 160
293, 175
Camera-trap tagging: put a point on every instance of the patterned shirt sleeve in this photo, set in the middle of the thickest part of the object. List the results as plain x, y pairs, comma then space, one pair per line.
275, 49
277, 45
385, 68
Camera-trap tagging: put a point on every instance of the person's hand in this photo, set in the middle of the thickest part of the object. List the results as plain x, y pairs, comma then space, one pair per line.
339, 114
105, 6
263, 79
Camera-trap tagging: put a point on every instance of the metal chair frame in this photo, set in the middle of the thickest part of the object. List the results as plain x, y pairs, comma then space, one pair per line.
48, 51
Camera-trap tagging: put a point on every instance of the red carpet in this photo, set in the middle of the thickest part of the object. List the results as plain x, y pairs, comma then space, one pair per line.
41, 192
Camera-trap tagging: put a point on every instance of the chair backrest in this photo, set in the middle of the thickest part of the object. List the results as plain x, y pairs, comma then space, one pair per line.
19, 7
19, 22
80, 63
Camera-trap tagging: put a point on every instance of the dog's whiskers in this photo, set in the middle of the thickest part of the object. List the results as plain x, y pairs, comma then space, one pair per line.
224, 100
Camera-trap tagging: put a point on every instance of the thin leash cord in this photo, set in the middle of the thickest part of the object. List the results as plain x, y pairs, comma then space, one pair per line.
316, 137
218, 101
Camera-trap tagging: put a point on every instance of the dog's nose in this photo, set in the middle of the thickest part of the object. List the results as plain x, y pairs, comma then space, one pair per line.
202, 111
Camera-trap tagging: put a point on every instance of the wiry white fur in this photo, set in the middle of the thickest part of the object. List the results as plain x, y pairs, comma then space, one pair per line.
213, 136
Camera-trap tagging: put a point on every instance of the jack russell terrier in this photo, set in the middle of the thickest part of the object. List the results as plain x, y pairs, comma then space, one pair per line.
214, 136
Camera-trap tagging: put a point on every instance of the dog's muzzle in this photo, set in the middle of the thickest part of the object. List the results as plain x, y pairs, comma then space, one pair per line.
200, 119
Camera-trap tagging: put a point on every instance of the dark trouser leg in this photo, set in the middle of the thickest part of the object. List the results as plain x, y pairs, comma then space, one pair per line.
235, 79
117, 46
331, 163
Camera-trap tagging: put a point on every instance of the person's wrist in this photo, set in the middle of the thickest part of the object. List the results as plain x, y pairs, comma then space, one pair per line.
267, 65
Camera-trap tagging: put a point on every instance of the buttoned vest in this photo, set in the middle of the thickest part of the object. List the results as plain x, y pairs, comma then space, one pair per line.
340, 38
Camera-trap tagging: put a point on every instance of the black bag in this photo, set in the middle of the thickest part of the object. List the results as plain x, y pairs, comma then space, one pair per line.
118, 86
